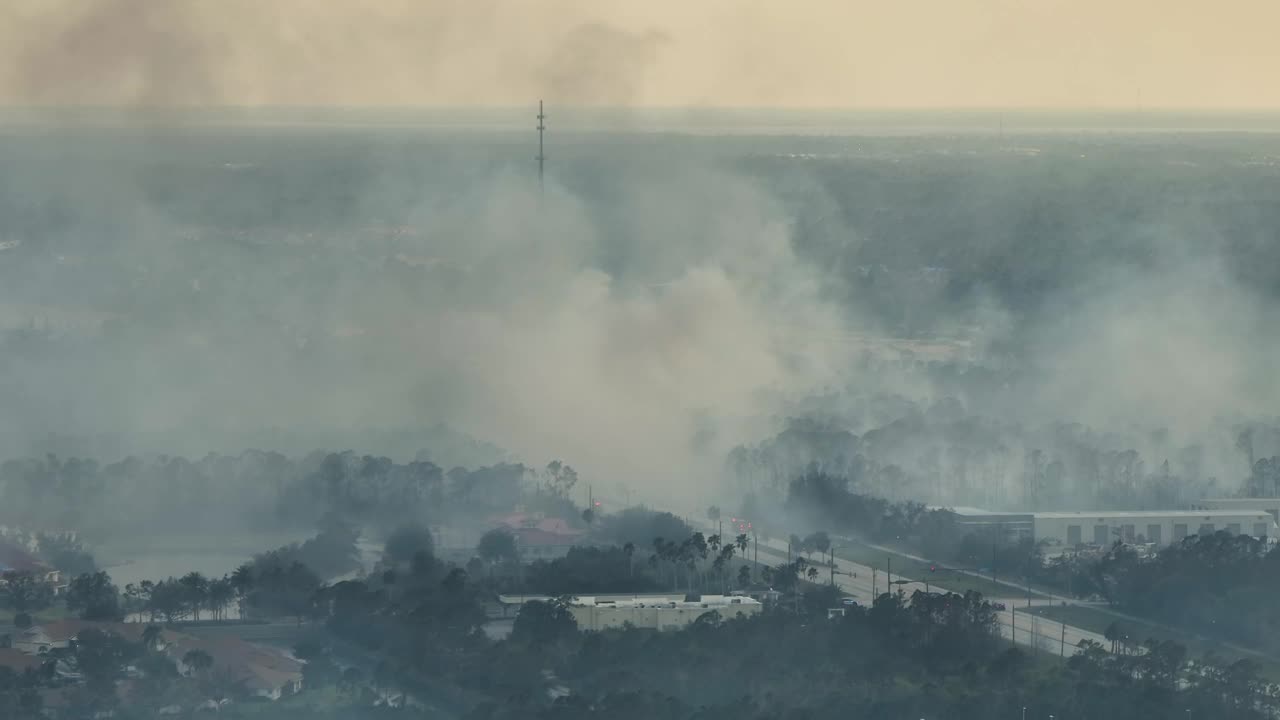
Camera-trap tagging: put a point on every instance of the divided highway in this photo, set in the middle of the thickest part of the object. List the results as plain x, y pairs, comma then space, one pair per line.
1027, 630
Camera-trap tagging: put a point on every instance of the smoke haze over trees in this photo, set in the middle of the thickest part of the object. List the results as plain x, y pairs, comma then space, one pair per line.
973, 317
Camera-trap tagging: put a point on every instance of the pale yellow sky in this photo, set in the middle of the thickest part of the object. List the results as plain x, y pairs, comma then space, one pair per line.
1218, 54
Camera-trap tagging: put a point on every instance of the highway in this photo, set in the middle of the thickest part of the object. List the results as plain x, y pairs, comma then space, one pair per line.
1024, 629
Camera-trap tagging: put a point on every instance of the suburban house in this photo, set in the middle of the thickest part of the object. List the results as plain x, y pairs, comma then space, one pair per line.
538, 536
57, 635
266, 672
18, 661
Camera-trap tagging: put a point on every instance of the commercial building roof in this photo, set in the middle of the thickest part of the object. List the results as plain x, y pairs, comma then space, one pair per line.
965, 511
669, 600
1242, 502
1122, 514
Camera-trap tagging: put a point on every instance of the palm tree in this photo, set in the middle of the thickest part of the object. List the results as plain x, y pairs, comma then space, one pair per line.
242, 581
1113, 633
629, 550
151, 637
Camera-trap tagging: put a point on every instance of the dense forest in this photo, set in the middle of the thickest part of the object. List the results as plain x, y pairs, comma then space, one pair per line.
942, 454
258, 489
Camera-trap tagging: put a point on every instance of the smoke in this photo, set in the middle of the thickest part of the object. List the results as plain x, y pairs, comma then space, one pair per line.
135, 53
808, 53
503, 311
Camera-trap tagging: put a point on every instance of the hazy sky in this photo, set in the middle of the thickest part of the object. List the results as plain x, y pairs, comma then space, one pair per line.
794, 53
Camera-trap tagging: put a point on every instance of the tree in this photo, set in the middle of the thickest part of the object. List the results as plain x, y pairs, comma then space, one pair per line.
22, 593
94, 597
151, 635
496, 545
168, 599
561, 478
818, 542
543, 623
101, 657
713, 513
195, 589
197, 661
406, 541
744, 576
629, 550
220, 594
286, 589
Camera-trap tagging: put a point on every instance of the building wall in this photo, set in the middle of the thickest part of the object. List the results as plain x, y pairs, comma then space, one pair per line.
1162, 530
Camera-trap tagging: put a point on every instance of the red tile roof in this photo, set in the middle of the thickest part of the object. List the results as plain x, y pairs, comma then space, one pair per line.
18, 661
258, 667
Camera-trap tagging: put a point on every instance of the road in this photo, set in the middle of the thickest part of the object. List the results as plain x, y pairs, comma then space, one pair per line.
864, 583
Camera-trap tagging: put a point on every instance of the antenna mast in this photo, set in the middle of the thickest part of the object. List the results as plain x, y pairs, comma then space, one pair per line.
542, 158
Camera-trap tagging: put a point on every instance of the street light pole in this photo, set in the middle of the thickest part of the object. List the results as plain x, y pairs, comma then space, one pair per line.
1013, 626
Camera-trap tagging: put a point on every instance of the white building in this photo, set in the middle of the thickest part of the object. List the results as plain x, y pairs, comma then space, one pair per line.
660, 612
1162, 527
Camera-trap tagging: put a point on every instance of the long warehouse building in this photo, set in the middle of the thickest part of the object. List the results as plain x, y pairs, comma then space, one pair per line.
1160, 527
1103, 528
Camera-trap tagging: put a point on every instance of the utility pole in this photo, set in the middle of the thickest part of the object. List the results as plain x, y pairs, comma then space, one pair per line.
874, 594
833, 566
889, 571
1062, 649
542, 158
1013, 626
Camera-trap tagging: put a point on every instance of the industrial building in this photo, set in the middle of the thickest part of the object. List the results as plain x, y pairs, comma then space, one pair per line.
1011, 526
1161, 527
659, 612
1103, 528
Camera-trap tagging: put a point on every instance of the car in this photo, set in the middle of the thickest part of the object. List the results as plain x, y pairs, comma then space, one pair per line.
999, 606
849, 602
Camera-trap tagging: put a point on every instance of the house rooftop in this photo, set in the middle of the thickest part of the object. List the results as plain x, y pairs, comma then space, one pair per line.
17, 661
